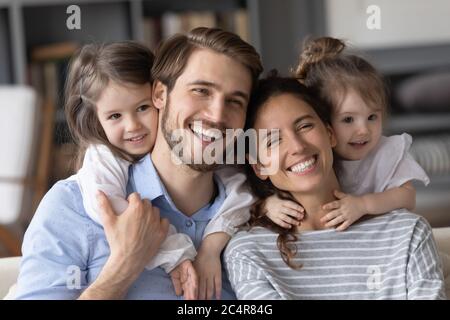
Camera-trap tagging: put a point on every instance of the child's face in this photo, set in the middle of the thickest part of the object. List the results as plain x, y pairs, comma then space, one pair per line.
128, 117
357, 127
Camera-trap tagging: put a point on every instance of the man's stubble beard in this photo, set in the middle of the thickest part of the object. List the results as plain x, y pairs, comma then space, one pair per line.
167, 129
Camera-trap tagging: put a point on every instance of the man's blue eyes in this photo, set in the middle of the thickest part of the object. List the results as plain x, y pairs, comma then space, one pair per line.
201, 91
206, 92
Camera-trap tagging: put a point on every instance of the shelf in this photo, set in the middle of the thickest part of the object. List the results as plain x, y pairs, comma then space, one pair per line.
158, 7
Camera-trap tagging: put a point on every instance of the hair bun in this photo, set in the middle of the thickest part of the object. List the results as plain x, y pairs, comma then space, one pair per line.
316, 50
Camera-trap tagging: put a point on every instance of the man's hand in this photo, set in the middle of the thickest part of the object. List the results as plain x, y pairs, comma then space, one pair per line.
134, 237
185, 281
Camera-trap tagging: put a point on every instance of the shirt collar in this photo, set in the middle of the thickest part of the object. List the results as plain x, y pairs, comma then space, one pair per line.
146, 179
149, 185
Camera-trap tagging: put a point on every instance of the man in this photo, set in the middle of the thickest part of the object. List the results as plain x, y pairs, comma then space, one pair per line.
204, 76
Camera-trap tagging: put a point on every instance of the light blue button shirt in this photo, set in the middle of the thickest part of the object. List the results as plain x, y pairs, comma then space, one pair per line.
64, 250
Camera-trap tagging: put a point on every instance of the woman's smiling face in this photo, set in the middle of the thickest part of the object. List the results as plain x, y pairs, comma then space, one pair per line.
301, 149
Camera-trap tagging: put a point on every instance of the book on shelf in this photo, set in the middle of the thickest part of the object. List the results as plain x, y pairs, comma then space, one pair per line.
157, 28
54, 51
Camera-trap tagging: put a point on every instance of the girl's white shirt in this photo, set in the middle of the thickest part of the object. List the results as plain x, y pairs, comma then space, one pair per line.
389, 165
104, 171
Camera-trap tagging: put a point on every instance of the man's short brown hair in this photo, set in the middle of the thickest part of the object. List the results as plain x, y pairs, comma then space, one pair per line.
173, 54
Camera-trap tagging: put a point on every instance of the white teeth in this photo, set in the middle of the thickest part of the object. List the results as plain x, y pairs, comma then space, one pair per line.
136, 138
206, 134
303, 166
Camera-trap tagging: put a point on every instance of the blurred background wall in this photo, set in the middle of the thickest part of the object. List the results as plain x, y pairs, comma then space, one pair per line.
411, 48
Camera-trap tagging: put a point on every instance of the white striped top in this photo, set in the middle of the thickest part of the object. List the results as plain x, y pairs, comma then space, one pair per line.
392, 256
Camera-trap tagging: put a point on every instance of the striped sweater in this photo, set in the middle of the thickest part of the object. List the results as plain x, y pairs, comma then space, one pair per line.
392, 256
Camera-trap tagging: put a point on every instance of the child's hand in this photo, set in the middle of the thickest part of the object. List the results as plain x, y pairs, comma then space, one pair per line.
284, 213
209, 269
346, 210
184, 279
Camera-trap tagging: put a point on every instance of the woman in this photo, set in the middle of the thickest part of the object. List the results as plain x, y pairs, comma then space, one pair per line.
392, 256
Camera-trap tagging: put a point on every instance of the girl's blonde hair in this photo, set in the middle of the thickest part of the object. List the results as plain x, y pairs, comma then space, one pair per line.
326, 68
90, 71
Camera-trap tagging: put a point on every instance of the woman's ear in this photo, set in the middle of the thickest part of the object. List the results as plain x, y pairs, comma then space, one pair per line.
257, 169
256, 166
159, 96
332, 136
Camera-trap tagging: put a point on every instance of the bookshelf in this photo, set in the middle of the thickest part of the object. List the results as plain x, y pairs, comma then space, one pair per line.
161, 19
275, 28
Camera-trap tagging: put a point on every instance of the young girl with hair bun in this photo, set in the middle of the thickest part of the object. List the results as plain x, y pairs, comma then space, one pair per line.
375, 171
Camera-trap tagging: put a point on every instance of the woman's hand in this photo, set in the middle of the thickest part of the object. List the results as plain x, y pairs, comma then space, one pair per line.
184, 280
345, 211
284, 213
134, 237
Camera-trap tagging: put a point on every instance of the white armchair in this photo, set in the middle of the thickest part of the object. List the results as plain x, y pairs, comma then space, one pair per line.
18, 114
9, 270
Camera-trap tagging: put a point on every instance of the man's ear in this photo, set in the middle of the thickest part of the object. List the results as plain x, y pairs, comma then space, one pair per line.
332, 135
159, 96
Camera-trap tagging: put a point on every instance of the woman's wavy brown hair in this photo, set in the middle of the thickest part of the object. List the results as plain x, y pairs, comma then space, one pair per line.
267, 88
326, 67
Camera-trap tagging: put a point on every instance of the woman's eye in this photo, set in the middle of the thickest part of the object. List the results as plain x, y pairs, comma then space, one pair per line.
114, 116
305, 126
373, 117
143, 108
347, 120
272, 142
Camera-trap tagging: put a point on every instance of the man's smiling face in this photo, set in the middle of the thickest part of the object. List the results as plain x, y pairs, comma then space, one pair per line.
210, 96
